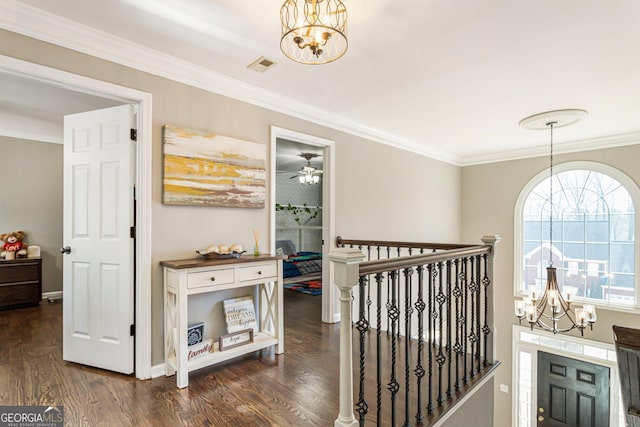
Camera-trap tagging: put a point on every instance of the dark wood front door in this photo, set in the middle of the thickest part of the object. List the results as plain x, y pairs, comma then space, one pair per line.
571, 393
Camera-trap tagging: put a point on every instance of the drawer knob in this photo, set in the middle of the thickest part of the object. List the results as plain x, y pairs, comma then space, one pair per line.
213, 279
259, 271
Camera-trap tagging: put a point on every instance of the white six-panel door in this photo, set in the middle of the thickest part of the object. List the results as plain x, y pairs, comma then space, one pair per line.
98, 213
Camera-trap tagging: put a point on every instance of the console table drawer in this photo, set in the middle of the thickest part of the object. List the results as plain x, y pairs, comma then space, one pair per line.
256, 272
210, 278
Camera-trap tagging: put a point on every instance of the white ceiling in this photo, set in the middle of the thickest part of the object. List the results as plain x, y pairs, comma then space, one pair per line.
32, 109
450, 79
289, 159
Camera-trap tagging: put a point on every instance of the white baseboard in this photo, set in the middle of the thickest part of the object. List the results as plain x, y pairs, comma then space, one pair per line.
157, 370
52, 295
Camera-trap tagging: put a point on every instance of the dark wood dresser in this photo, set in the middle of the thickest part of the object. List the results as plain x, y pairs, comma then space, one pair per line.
20, 282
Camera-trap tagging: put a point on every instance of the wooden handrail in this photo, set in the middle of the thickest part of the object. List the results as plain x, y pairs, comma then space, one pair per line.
390, 264
393, 244
453, 299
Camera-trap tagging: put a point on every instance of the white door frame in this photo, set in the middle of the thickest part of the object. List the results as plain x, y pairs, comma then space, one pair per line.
330, 303
142, 181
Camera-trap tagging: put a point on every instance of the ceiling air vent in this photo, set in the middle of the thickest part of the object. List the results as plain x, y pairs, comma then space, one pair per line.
261, 64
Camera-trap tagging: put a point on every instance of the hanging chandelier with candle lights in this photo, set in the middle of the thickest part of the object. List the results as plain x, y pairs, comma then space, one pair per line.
553, 310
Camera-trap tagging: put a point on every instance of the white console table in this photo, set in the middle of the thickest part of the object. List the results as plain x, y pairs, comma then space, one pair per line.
197, 276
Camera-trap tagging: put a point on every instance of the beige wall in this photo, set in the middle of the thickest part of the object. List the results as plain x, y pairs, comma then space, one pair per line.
381, 192
31, 200
489, 194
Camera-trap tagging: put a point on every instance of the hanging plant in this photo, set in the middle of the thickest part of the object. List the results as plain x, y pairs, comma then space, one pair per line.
296, 211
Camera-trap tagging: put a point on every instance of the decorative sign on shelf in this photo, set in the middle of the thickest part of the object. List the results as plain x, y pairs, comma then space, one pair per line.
235, 339
194, 333
240, 314
199, 350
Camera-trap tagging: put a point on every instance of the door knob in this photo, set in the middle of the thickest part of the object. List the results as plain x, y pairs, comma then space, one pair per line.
65, 250
540, 418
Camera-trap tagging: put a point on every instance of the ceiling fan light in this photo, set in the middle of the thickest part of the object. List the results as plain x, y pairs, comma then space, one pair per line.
316, 179
302, 179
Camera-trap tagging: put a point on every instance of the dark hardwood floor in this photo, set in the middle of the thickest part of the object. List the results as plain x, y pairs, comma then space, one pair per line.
297, 388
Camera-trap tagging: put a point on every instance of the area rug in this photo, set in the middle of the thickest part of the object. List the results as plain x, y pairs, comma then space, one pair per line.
313, 287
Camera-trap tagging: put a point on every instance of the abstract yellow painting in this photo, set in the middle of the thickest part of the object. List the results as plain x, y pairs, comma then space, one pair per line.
205, 169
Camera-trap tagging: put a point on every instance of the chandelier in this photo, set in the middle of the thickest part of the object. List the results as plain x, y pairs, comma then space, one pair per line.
553, 310
313, 31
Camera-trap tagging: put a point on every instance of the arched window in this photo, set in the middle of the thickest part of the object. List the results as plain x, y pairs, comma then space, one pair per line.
594, 225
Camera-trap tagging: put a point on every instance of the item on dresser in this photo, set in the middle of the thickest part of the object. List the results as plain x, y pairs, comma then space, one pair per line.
33, 251
221, 251
215, 255
240, 314
14, 246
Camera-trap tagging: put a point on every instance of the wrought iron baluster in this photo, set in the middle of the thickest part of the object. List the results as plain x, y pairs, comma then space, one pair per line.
431, 322
408, 272
478, 359
379, 277
369, 302
388, 305
465, 311
419, 370
394, 314
398, 332
362, 408
486, 330
440, 357
472, 336
449, 346
457, 293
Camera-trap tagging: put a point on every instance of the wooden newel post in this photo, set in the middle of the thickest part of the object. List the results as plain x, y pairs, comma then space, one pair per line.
346, 269
491, 345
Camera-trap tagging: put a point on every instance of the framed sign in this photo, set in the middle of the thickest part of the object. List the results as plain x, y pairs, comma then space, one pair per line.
240, 314
235, 339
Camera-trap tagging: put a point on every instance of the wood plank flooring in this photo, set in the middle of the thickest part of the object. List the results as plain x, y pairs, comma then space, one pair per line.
297, 388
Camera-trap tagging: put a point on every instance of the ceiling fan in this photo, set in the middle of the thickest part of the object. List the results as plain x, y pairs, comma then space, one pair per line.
308, 174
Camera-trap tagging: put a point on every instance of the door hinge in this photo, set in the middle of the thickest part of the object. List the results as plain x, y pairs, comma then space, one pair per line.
132, 232
132, 330
134, 134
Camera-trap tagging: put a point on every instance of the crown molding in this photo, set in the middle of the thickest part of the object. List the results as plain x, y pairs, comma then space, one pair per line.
38, 24
31, 136
590, 144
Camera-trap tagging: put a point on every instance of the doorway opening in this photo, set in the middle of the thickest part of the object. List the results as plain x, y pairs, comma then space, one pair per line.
527, 346
301, 213
65, 81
